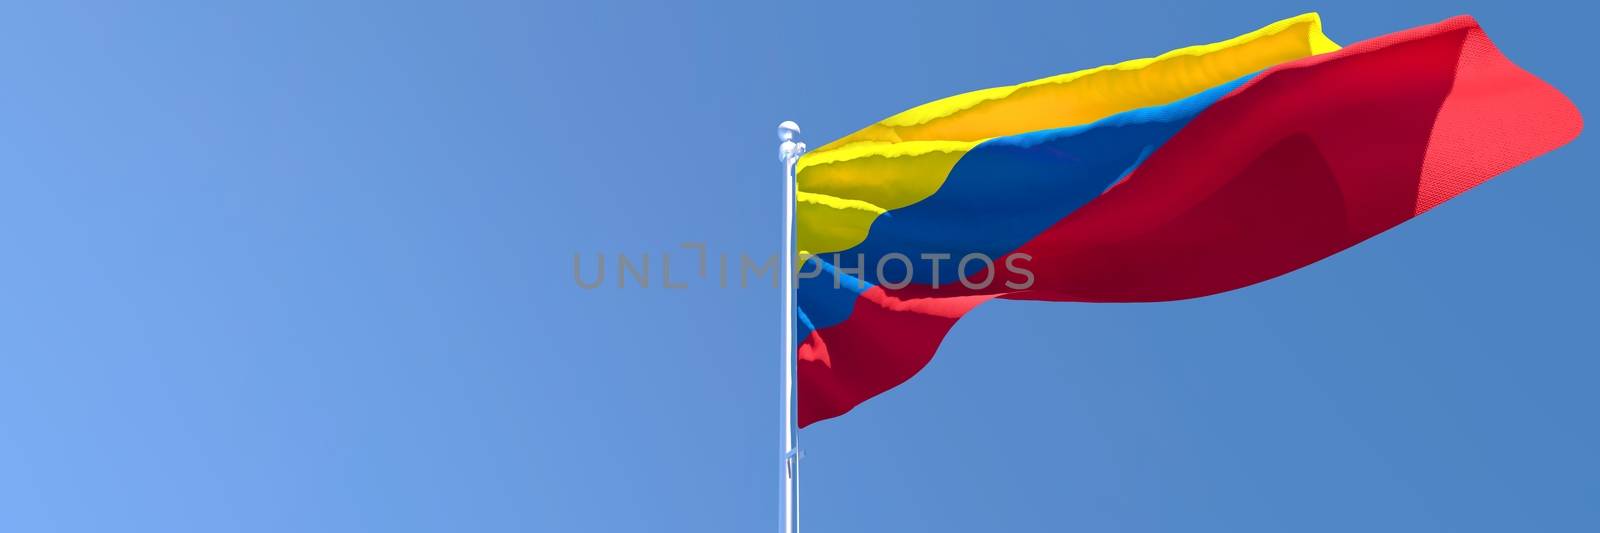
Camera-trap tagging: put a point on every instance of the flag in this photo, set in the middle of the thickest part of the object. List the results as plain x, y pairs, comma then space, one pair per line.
1199, 171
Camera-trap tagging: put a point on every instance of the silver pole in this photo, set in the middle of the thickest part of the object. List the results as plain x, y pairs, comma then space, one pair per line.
789, 152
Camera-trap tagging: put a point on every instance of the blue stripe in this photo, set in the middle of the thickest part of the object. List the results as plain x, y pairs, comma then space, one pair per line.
1000, 195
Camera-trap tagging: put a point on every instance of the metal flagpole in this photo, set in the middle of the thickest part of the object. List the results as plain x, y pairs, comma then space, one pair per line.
789, 152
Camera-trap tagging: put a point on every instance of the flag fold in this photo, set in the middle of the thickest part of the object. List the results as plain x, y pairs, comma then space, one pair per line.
1199, 171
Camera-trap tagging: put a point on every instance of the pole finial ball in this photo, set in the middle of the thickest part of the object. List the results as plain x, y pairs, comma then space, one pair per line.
788, 130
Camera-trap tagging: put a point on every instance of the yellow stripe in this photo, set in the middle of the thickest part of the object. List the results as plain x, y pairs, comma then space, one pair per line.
905, 158
847, 220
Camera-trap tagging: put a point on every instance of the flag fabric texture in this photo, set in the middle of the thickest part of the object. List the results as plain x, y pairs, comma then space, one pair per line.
1199, 171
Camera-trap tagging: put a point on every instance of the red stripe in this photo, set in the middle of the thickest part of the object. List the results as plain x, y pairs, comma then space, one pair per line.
1305, 160
886, 340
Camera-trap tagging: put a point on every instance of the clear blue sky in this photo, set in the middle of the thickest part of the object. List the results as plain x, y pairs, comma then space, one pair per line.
306, 266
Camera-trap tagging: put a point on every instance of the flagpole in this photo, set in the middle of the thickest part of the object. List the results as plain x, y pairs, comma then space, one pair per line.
789, 153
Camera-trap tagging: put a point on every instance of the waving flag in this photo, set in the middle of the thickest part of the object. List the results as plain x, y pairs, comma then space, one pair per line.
1199, 171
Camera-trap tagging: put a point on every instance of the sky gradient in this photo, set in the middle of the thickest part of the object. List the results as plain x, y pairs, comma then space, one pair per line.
307, 266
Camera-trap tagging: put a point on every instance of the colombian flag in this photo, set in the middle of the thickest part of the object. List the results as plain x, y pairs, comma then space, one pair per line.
1199, 171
